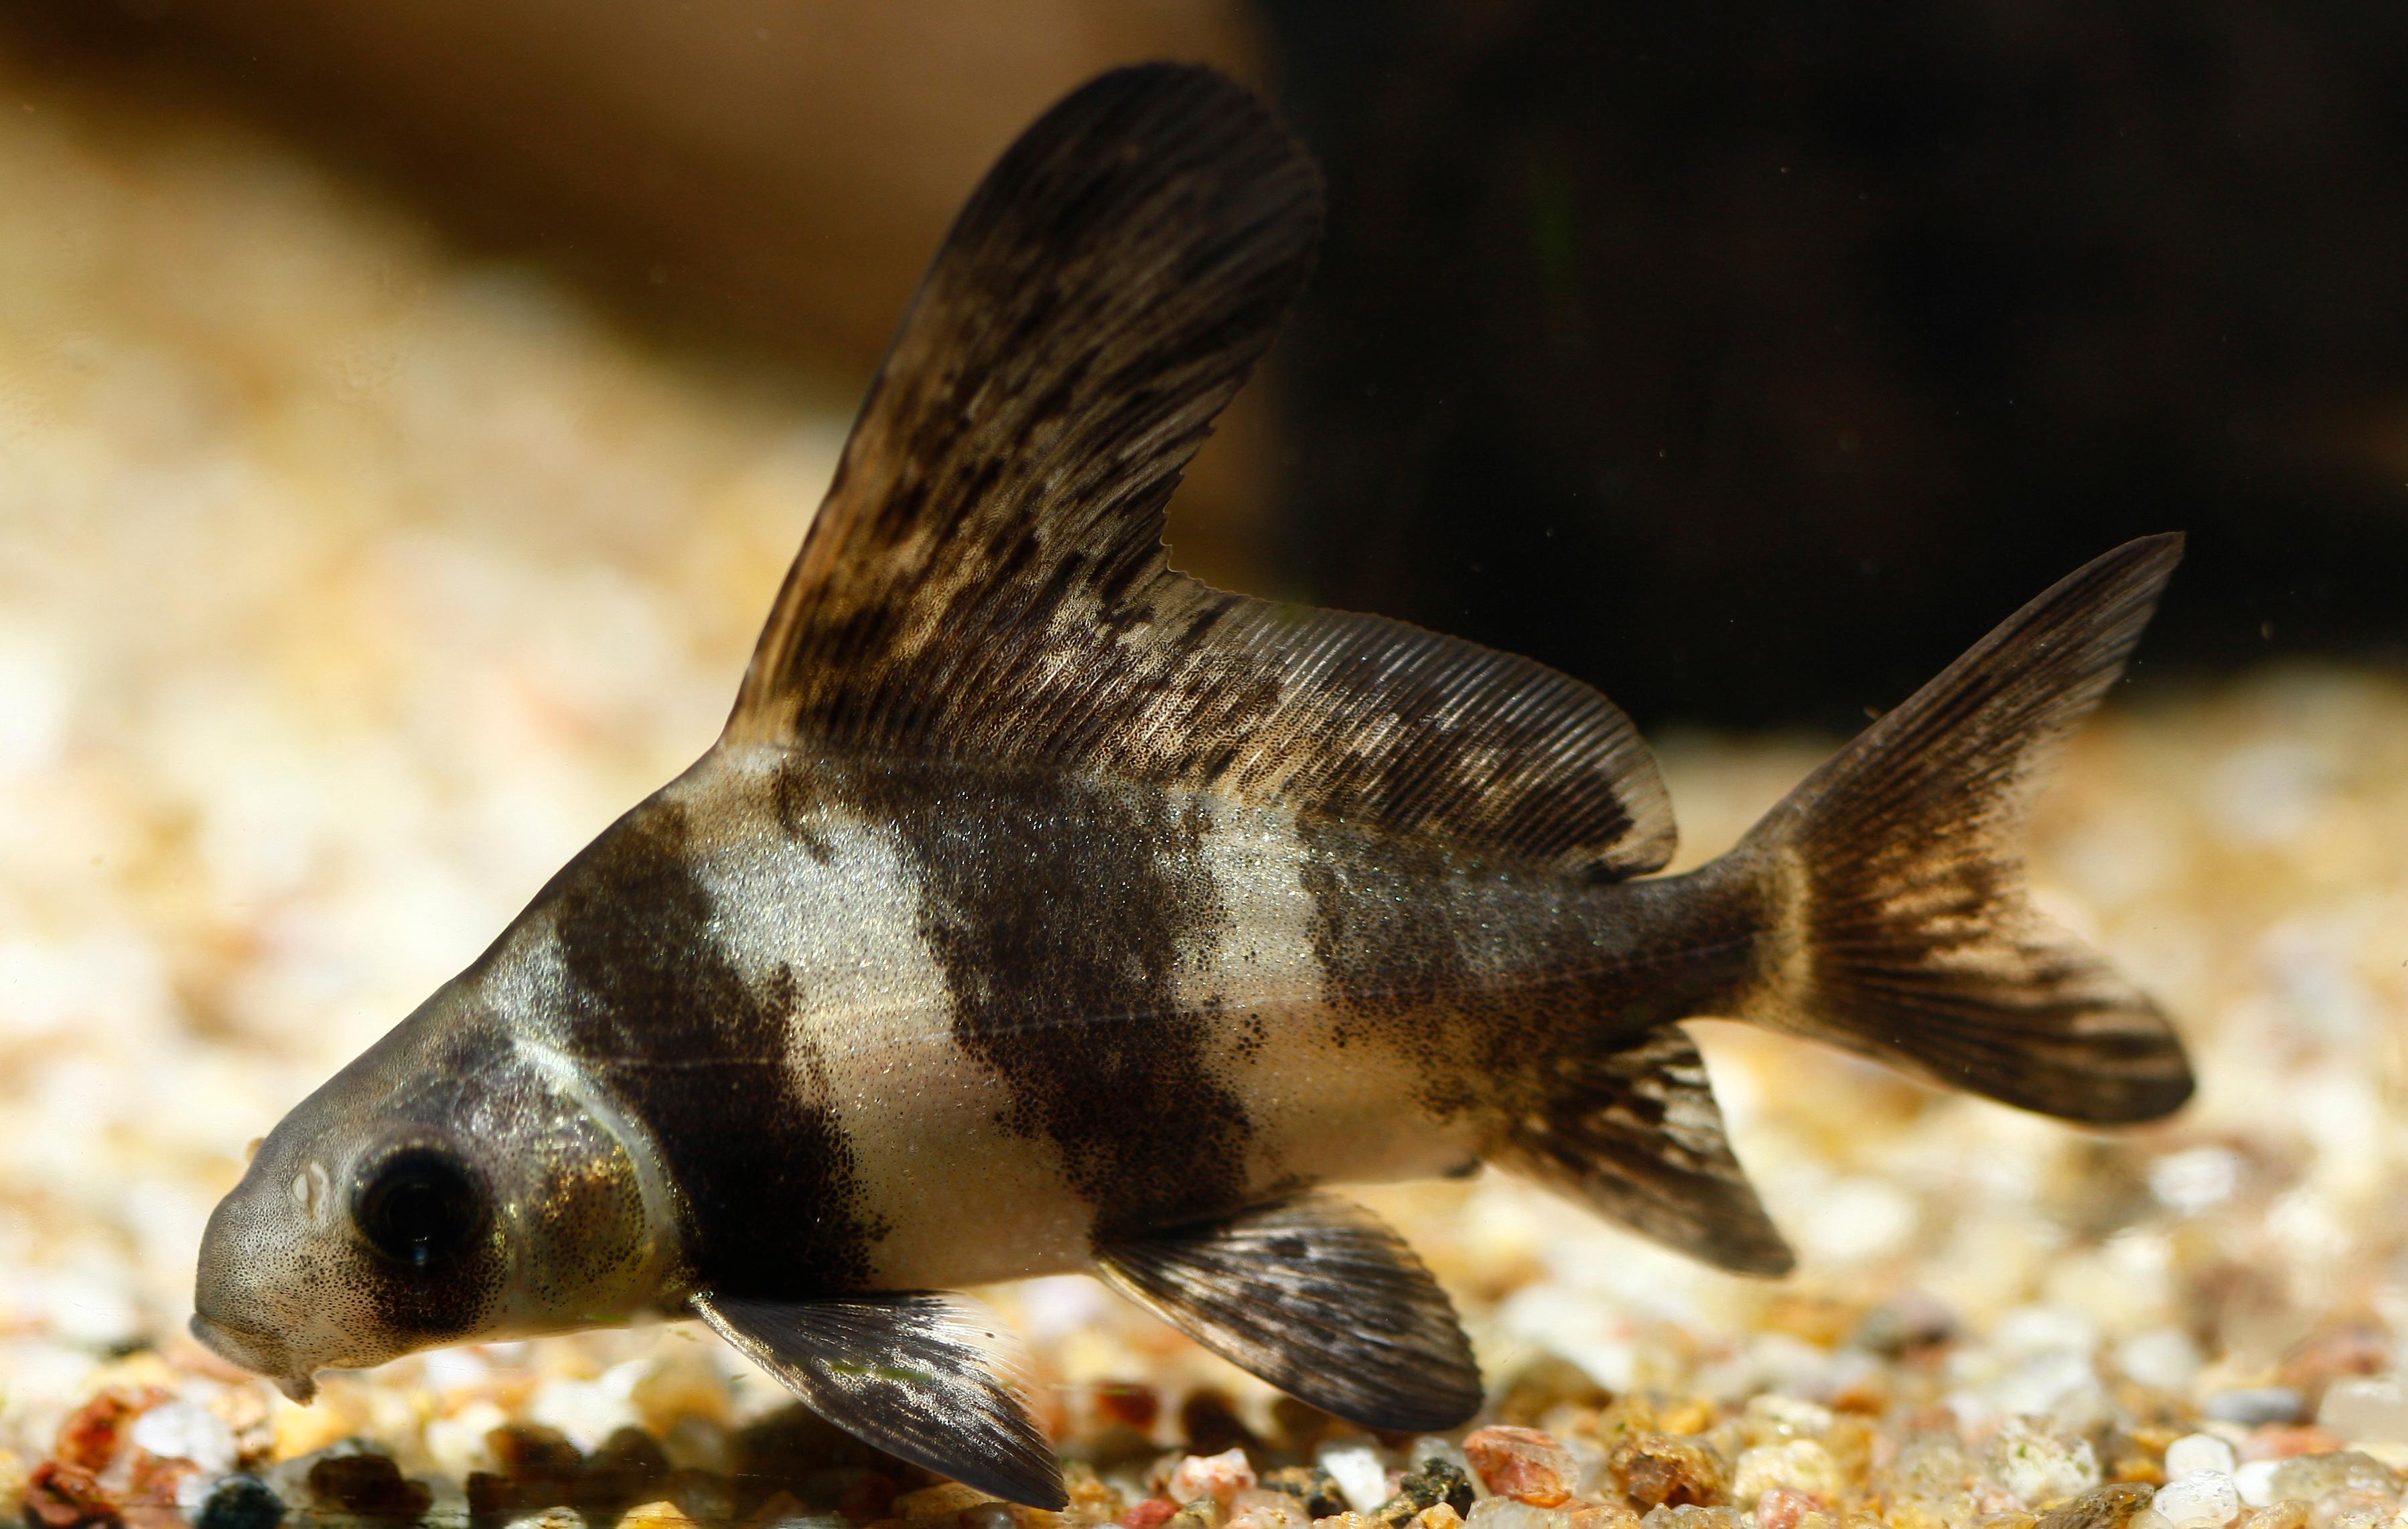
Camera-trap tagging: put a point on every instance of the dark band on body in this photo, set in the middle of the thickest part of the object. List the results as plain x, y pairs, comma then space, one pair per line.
1063, 912
768, 1189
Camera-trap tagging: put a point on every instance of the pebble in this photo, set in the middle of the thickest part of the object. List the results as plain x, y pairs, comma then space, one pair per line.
2164, 1358
1438, 1446
1437, 1483
2254, 1406
240, 1502
550, 1518
1309, 1487
2200, 1499
1693, 1516
2310, 1478
656, 1516
1931, 1467
1507, 1512
1799, 1466
2195, 1453
1359, 1472
1773, 1417
2038, 1467
2351, 1510
1523, 1464
368, 1486
2126, 1502
1203, 1513
1220, 1477
2359, 1411
1657, 1471
1258, 1507
185, 1431
2255, 1480
1782, 1507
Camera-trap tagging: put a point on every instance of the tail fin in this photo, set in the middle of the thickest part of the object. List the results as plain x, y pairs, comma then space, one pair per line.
1902, 928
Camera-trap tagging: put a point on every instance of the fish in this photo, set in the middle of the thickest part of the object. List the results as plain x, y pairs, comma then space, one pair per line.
1042, 910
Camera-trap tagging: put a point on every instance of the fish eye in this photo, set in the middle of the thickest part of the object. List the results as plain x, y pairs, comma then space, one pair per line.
420, 1206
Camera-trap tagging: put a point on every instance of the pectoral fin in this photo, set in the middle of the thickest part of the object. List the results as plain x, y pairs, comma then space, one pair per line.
936, 1380
1317, 1296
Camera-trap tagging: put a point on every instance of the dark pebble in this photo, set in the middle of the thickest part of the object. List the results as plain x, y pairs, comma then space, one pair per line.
370, 1487
627, 1469
1310, 1485
1437, 1481
1209, 1421
2102, 1507
240, 1502
1301, 1426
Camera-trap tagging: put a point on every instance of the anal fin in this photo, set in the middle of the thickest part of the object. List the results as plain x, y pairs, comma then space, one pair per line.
935, 1379
1636, 1134
1317, 1296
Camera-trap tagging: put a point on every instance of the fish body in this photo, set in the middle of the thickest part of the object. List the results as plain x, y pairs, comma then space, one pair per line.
1042, 910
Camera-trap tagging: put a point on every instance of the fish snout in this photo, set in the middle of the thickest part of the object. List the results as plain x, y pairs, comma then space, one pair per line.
259, 1353
238, 1315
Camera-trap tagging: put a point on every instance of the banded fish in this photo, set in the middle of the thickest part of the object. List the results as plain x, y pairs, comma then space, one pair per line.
1042, 910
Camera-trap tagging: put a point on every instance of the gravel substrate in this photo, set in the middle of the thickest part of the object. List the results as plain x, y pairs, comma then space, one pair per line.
348, 586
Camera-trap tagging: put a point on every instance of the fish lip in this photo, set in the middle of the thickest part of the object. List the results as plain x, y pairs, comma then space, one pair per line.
251, 1349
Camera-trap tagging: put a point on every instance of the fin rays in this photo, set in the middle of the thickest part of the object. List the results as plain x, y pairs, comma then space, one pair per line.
938, 1380
1319, 1298
1636, 1134
987, 580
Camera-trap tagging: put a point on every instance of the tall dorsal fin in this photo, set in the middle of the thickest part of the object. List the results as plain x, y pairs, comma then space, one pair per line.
987, 579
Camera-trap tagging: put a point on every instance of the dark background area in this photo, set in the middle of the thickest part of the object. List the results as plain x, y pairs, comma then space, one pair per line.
1747, 360
1751, 358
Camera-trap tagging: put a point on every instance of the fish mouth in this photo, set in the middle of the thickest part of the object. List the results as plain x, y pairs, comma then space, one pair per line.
255, 1351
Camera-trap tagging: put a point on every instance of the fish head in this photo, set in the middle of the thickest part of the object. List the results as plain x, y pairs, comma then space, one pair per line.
455, 1183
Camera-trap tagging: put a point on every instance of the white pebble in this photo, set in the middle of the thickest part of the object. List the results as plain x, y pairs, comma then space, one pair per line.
2365, 1412
1509, 1513
589, 1412
2197, 1180
2164, 1358
2201, 1500
2255, 1481
1858, 1219
2195, 1452
1360, 1474
186, 1431
2040, 1468
458, 1442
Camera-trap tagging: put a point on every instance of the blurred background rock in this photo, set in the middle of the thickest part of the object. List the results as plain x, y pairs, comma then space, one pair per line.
1746, 359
